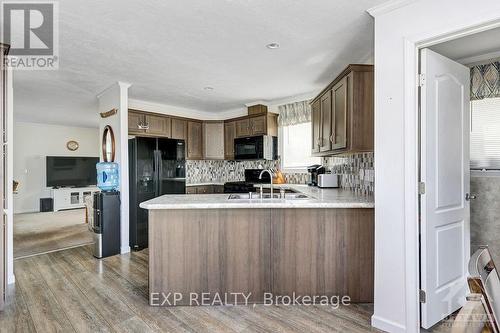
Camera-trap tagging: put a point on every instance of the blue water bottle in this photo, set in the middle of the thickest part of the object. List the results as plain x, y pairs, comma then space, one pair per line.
107, 176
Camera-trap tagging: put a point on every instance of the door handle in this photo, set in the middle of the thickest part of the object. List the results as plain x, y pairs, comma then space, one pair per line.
470, 197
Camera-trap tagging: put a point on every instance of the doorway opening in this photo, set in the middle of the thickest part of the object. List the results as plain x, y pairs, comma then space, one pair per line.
459, 176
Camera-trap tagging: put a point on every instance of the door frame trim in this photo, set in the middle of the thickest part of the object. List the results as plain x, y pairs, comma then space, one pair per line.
412, 47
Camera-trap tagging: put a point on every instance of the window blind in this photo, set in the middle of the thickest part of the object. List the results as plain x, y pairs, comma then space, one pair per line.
485, 134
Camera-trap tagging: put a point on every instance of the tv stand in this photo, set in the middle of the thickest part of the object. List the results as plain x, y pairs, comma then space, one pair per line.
71, 197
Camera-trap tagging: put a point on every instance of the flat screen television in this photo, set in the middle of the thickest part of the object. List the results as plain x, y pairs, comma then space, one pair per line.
71, 171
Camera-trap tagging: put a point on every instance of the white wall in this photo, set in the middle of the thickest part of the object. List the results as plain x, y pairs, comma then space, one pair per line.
116, 97
10, 172
32, 143
396, 260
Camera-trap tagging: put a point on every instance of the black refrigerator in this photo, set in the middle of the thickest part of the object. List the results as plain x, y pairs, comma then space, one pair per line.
156, 167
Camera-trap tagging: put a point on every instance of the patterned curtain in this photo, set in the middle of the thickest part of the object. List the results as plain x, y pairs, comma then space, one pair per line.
294, 113
485, 81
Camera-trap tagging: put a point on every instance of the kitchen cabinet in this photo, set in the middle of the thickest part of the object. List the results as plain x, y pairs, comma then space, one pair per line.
342, 116
135, 123
205, 189
158, 125
213, 140
243, 128
326, 122
266, 124
140, 123
316, 125
339, 112
229, 135
257, 109
179, 129
194, 140
258, 125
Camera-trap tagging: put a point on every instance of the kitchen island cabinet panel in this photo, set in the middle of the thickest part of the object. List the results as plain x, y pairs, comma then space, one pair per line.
214, 251
309, 252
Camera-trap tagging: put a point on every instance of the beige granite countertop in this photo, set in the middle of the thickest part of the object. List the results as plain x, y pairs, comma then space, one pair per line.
318, 198
205, 184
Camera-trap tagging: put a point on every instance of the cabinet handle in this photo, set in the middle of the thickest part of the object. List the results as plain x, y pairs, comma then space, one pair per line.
143, 126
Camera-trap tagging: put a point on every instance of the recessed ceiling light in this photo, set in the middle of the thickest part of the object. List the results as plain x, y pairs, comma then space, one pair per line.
273, 46
208, 88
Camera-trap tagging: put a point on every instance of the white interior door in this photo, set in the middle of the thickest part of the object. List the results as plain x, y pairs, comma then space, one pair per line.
445, 215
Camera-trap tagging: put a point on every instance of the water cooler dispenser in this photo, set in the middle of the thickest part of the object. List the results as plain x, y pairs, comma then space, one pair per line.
106, 224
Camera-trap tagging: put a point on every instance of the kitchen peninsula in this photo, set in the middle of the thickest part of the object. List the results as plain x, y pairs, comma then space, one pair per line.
320, 244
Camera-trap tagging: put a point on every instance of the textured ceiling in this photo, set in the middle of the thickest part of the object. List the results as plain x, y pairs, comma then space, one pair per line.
170, 50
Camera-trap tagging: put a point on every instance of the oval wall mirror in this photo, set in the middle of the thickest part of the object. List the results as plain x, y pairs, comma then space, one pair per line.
108, 144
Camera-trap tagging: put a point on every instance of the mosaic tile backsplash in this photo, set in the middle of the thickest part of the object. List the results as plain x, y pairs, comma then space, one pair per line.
355, 170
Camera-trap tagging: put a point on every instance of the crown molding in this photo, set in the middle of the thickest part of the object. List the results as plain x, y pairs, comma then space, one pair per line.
388, 6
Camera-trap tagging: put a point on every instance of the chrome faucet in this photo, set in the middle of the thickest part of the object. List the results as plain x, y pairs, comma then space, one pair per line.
271, 182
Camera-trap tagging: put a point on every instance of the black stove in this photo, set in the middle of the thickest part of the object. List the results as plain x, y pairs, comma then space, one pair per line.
238, 187
247, 185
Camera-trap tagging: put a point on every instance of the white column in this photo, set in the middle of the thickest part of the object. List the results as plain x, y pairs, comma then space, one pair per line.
116, 97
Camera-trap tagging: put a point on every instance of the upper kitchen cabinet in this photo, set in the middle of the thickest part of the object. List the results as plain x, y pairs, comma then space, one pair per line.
316, 125
265, 124
325, 143
213, 140
158, 125
229, 135
148, 124
342, 114
136, 123
194, 140
179, 129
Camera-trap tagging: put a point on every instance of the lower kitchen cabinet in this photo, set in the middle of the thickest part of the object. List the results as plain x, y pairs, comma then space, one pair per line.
204, 189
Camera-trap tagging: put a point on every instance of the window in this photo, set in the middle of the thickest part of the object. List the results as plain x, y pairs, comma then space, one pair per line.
485, 134
296, 147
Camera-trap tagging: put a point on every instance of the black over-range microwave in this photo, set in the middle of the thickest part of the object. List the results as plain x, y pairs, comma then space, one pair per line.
263, 147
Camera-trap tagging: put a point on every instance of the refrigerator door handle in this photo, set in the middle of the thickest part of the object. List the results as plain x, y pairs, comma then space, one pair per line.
160, 173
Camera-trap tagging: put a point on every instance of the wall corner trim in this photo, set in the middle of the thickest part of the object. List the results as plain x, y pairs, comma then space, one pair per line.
11, 279
387, 325
388, 6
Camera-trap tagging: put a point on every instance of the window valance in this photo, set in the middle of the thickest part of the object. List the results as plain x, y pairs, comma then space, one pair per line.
294, 113
485, 81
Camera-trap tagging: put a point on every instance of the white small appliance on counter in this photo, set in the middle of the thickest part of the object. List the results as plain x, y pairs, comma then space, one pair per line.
326, 180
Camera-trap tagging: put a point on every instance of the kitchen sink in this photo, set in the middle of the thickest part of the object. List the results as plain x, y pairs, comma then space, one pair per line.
256, 196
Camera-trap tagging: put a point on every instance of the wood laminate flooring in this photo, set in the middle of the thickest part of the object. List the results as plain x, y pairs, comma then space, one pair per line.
70, 291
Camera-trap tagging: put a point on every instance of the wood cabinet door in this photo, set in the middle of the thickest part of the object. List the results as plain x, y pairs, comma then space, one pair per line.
316, 126
195, 140
158, 125
326, 122
213, 140
242, 128
258, 125
205, 189
135, 121
218, 188
339, 112
179, 129
229, 135
191, 189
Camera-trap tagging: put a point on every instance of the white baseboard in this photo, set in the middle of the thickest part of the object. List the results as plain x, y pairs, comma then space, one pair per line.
125, 249
387, 325
11, 279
